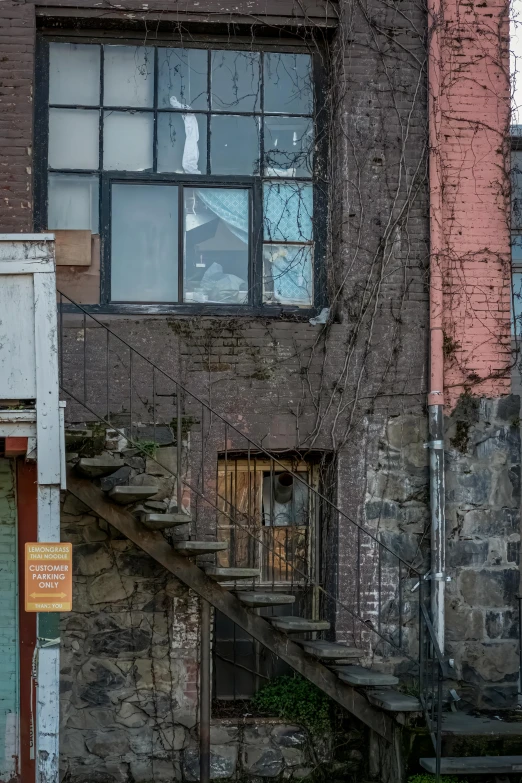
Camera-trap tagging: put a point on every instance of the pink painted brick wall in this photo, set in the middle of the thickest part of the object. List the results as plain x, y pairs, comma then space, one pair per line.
474, 158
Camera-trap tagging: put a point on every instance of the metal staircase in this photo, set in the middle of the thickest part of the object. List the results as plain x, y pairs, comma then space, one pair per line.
228, 556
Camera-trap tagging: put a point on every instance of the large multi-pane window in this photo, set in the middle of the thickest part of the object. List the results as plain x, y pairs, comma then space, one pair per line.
195, 165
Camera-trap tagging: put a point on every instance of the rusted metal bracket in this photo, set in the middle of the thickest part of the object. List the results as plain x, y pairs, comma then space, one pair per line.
154, 544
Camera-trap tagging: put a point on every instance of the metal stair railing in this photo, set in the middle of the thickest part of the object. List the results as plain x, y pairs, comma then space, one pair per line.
107, 379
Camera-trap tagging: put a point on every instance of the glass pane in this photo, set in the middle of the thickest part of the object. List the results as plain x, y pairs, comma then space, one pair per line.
144, 244
74, 74
285, 499
288, 83
235, 81
516, 248
73, 139
216, 245
128, 140
73, 202
516, 189
287, 274
128, 76
288, 147
287, 211
183, 78
516, 320
182, 143
234, 145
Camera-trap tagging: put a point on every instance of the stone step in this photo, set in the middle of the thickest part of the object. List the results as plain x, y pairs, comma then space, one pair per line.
265, 599
231, 574
193, 548
475, 765
94, 467
298, 624
163, 521
330, 650
362, 677
125, 495
394, 701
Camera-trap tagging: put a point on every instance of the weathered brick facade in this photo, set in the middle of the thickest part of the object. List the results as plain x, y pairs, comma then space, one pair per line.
355, 388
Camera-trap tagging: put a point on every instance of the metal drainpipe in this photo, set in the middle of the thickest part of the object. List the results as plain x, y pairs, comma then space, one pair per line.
204, 694
436, 387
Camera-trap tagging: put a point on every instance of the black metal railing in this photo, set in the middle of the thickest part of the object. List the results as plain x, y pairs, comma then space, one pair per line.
228, 482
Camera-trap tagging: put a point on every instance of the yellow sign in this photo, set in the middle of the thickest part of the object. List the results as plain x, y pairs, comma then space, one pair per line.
48, 577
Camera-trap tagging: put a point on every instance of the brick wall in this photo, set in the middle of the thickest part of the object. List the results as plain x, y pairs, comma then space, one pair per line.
474, 159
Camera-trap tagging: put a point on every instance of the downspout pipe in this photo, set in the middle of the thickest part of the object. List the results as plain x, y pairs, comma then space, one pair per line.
436, 370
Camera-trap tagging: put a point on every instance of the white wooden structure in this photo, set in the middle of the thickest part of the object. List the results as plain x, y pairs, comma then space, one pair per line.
29, 407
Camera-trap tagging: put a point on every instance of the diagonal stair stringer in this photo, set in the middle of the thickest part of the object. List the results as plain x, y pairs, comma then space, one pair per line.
154, 544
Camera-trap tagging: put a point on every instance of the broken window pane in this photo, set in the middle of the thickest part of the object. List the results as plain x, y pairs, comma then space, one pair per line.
235, 81
144, 243
128, 140
73, 202
73, 139
74, 74
216, 245
234, 145
287, 211
182, 143
288, 147
287, 274
288, 83
183, 75
285, 499
128, 76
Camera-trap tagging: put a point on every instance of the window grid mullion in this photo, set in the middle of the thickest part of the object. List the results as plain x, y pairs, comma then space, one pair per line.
209, 107
155, 108
181, 244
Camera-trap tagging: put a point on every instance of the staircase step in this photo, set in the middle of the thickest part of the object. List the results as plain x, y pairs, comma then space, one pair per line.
394, 701
298, 624
330, 650
94, 467
125, 495
163, 521
193, 548
359, 676
475, 765
265, 599
230, 574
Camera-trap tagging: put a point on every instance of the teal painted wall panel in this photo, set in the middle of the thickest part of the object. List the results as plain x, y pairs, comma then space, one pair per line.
8, 622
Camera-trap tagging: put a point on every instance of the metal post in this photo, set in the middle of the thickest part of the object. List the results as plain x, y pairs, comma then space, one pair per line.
438, 524
204, 695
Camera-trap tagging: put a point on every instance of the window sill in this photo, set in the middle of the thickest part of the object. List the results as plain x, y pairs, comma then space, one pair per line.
282, 312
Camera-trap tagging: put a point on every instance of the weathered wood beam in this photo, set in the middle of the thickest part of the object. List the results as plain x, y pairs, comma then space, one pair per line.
154, 544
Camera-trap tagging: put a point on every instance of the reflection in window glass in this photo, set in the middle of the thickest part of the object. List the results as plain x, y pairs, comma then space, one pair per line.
182, 75
516, 248
74, 74
216, 245
127, 141
287, 274
235, 81
73, 139
288, 147
288, 83
234, 145
285, 500
287, 211
182, 143
73, 202
128, 76
144, 243
516, 307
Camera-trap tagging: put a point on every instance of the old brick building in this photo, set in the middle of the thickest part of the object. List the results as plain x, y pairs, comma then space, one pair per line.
282, 240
